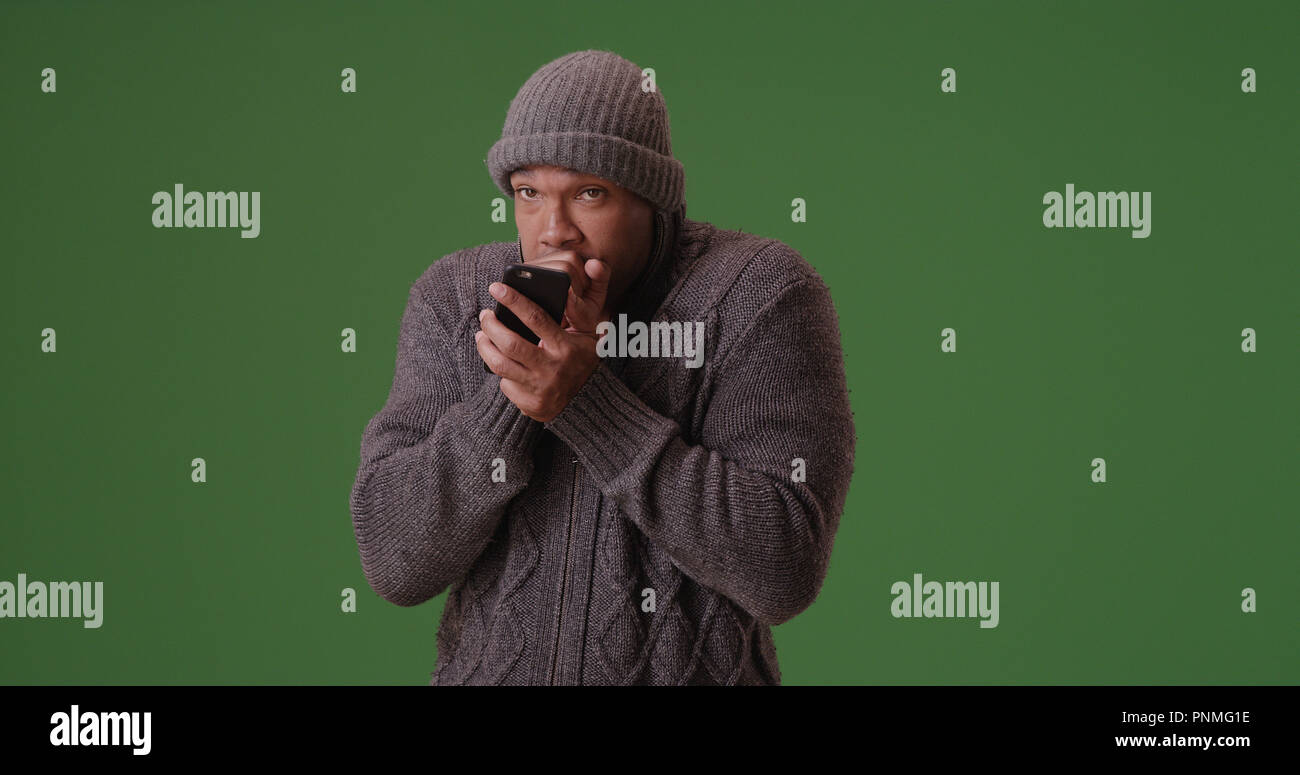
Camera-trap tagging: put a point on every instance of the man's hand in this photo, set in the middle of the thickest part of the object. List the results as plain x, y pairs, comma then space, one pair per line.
588, 286
541, 379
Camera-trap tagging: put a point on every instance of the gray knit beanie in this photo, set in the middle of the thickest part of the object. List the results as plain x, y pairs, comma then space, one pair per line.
587, 111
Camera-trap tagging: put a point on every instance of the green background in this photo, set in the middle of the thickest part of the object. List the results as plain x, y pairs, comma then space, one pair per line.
924, 212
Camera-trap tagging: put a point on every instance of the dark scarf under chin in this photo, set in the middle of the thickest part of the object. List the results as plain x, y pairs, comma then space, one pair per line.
647, 291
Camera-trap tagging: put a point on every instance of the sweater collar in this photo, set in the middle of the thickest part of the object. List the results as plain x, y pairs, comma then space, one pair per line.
648, 290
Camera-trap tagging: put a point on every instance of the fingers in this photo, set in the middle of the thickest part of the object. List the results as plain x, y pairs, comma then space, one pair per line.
528, 312
584, 312
566, 261
496, 360
599, 273
575, 312
583, 316
511, 345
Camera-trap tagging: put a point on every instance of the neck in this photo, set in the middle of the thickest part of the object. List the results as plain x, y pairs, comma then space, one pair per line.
643, 296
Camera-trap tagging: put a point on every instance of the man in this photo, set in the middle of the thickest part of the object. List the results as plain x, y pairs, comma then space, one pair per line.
631, 514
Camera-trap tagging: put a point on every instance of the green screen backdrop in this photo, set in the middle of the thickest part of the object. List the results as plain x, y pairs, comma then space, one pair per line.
1168, 358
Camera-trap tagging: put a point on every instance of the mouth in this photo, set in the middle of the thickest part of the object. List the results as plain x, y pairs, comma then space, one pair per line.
582, 259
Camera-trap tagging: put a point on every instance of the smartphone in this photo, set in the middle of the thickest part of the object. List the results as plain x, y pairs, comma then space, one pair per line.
548, 288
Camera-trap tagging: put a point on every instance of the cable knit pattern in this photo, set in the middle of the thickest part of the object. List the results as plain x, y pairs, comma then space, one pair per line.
655, 477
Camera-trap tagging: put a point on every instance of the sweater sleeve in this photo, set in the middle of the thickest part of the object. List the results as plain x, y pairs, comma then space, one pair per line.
752, 509
425, 503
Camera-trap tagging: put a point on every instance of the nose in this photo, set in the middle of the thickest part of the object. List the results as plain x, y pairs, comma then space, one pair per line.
560, 232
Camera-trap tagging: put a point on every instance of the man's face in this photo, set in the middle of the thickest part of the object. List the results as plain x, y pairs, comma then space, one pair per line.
558, 209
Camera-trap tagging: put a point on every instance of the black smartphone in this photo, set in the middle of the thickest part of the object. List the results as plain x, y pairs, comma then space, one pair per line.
548, 288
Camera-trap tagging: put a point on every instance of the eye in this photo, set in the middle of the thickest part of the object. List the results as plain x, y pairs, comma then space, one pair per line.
597, 190
523, 188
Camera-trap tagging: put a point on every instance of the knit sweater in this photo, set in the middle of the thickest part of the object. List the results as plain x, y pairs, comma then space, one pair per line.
657, 528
